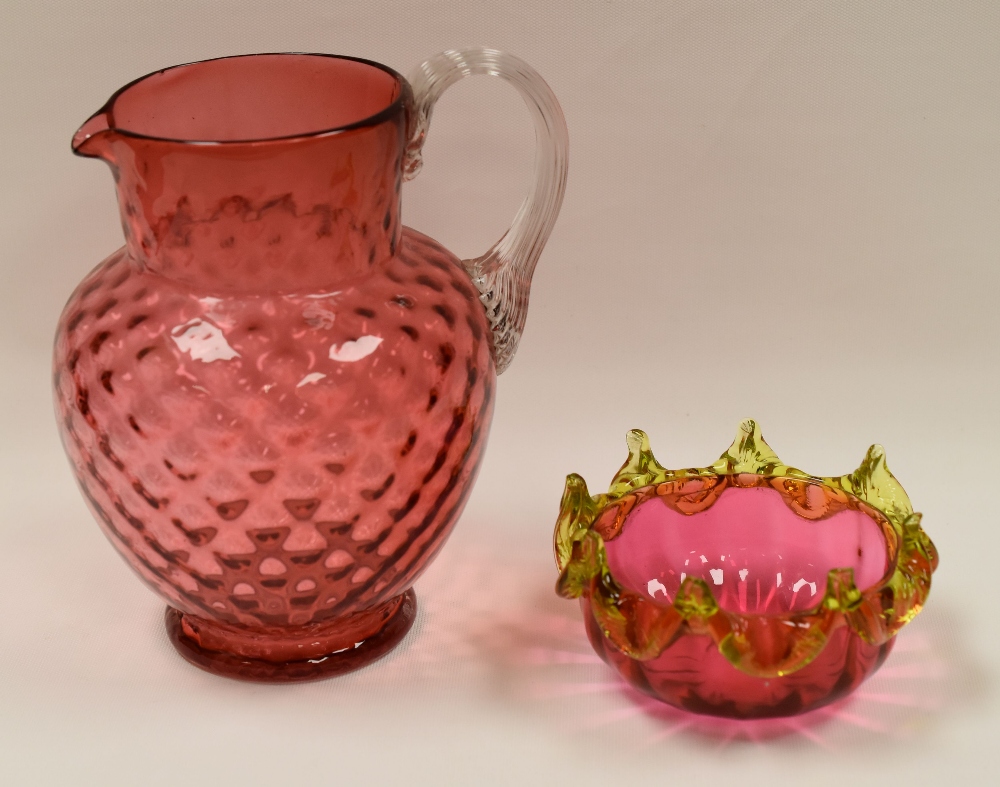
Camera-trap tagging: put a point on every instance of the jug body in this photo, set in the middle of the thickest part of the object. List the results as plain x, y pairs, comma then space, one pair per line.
275, 398
277, 460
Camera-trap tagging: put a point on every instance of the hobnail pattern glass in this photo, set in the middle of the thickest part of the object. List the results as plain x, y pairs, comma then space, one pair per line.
275, 397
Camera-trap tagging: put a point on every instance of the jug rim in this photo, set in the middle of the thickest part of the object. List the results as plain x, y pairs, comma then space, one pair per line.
106, 112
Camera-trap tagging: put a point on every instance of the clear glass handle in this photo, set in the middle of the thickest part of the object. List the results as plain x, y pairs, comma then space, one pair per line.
503, 274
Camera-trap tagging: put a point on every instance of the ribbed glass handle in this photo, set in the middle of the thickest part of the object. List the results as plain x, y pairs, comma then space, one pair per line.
503, 274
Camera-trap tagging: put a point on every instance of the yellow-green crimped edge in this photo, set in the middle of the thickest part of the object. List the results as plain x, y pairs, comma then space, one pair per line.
876, 615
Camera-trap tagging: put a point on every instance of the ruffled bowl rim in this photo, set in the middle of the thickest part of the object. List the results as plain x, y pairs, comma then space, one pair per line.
642, 628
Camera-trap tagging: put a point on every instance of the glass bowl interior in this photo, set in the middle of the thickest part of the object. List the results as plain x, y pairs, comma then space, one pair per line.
756, 554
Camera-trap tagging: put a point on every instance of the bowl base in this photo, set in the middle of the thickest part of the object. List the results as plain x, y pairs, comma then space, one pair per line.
297, 653
692, 675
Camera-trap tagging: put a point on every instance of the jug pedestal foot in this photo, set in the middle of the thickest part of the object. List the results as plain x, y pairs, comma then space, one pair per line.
292, 654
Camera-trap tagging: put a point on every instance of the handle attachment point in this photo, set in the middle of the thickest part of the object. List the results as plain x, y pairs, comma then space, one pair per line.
503, 274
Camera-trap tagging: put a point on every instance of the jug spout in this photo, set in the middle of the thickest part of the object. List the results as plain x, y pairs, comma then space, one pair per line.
258, 173
93, 138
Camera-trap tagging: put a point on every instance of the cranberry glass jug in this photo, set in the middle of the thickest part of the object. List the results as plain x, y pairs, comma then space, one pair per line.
275, 397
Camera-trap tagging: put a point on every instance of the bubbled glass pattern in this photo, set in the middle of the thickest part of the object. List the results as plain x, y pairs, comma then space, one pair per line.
275, 398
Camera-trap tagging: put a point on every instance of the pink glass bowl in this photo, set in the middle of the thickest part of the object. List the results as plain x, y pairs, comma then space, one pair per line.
747, 589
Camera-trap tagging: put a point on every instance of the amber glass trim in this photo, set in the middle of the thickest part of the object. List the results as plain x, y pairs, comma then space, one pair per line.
643, 629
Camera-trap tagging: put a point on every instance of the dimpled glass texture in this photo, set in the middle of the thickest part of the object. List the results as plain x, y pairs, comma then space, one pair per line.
746, 589
275, 397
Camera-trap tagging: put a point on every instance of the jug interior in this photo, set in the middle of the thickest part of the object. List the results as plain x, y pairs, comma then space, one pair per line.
255, 97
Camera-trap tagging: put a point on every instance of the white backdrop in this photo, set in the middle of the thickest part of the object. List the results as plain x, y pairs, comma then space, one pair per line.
783, 210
